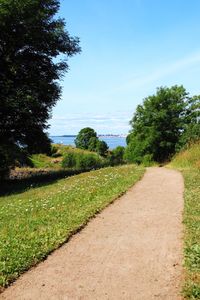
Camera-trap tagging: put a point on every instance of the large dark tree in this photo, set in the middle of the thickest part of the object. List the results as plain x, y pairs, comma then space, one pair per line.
32, 39
159, 124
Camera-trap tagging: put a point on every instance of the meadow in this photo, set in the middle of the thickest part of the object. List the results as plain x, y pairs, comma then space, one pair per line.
38, 220
188, 162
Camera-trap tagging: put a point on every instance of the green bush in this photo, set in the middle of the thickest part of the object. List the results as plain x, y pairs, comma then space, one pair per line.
92, 144
102, 148
116, 156
82, 161
147, 160
69, 160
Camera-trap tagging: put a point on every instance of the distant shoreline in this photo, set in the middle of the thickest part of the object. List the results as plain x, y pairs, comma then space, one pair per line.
99, 135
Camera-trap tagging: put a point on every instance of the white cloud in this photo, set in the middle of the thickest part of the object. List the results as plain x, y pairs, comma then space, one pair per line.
161, 72
104, 123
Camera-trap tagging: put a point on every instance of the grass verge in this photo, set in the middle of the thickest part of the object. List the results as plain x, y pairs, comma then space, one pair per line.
188, 162
39, 220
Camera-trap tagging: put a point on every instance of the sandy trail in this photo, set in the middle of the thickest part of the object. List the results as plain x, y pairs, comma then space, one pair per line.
132, 250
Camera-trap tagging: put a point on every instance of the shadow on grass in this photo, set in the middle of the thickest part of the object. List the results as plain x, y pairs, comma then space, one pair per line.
16, 186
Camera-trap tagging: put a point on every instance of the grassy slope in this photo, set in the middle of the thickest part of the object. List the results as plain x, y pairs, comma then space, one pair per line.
43, 161
39, 220
188, 162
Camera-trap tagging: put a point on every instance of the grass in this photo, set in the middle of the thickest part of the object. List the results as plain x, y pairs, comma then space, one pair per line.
39, 220
43, 161
188, 162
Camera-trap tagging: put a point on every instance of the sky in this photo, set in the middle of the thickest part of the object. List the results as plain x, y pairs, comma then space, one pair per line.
129, 48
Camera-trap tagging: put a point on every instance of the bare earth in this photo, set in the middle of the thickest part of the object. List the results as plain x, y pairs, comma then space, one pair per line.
132, 250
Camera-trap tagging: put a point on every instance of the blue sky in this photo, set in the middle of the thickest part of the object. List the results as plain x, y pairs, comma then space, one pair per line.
129, 48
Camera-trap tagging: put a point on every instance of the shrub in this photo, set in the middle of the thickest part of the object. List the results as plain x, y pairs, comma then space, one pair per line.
92, 146
116, 156
82, 161
147, 160
102, 148
69, 161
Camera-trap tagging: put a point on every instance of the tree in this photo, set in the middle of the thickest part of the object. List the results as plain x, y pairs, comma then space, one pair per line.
118, 153
92, 145
102, 148
82, 140
159, 123
116, 156
31, 41
191, 132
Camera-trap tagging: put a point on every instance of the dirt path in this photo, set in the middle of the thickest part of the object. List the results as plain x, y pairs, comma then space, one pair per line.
132, 250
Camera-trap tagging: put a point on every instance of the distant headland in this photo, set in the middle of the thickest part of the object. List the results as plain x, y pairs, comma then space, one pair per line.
99, 135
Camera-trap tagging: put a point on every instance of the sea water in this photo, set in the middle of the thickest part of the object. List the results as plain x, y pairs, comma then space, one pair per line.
112, 141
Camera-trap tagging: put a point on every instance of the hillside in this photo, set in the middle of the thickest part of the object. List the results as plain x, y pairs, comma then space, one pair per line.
188, 162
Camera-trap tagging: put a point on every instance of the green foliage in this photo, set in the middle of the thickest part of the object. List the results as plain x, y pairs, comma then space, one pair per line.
88, 162
159, 123
40, 219
82, 140
116, 156
37, 142
82, 161
32, 42
190, 135
135, 150
12, 155
147, 160
69, 161
92, 145
6, 159
42, 161
87, 139
102, 148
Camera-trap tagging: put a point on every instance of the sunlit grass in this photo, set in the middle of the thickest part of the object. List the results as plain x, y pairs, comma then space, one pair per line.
43, 161
39, 220
188, 162
189, 158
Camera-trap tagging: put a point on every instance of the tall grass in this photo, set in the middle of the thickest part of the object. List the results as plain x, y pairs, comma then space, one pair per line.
188, 158
188, 162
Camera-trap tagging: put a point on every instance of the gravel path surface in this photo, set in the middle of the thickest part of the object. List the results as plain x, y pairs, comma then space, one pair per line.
132, 250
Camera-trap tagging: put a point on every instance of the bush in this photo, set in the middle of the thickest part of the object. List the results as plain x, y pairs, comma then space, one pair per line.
87, 161
116, 156
101, 148
92, 144
147, 160
82, 161
69, 161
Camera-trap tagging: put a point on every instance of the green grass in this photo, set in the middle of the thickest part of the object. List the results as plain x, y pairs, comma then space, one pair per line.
43, 161
188, 162
39, 220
